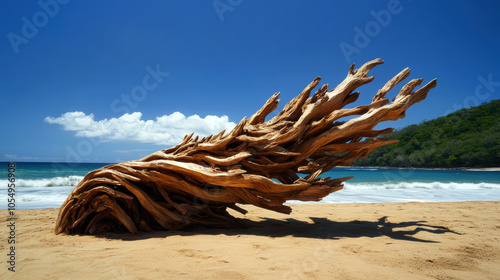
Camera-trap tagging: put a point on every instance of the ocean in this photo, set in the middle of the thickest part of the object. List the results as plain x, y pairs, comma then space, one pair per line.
46, 185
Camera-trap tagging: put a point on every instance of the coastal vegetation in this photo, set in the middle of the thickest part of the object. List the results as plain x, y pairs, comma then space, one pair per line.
466, 138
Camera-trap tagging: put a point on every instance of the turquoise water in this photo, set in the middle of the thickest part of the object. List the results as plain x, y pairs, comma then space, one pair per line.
392, 175
405, 185
48, 170
43, 185
46, 185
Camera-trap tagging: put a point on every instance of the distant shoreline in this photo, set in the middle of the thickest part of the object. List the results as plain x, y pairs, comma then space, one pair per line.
350, 166
429, 168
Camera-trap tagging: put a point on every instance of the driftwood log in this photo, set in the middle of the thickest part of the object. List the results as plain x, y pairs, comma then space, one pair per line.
258, 162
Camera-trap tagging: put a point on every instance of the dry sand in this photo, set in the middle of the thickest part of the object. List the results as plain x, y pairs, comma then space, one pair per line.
318, 241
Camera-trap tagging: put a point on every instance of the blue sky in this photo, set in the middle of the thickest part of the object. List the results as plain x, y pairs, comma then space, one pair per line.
107, 81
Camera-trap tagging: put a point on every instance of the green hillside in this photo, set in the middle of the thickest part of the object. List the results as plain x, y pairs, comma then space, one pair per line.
465, 138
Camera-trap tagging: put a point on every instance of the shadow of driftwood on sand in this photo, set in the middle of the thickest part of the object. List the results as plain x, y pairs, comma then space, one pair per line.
321, 228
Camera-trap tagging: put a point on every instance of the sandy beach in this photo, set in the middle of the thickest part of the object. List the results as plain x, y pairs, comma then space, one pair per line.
457, 240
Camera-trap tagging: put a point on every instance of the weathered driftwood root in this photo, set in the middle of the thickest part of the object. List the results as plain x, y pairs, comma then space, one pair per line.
197, 180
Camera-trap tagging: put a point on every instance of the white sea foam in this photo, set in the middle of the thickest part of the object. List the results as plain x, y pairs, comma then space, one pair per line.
40, 197
408, 195
361, 169
74, 180
48, 182
421, 185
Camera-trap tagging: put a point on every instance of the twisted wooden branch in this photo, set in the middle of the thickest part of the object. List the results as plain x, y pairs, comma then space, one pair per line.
256, 163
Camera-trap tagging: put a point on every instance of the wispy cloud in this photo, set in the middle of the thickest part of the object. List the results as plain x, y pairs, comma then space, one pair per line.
132, 151
17, 157
164, 130
25, 158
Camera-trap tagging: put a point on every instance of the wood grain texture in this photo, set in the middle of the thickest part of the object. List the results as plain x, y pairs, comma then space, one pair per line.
258, 162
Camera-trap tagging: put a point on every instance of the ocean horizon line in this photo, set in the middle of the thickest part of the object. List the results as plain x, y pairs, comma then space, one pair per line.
489, 168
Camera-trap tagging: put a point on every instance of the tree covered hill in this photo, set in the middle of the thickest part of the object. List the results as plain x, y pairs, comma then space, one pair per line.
465, 138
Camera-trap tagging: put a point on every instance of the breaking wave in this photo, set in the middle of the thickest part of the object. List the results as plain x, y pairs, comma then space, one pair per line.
421, 185
47, 182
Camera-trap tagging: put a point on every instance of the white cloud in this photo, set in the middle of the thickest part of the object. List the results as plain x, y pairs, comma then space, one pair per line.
165, 130
16, 157
22, 158
132, 151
